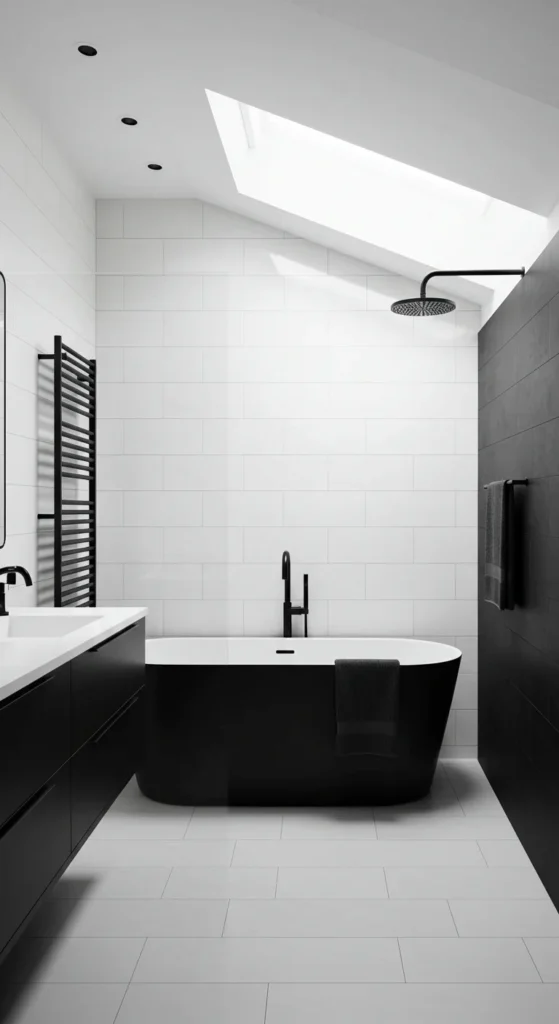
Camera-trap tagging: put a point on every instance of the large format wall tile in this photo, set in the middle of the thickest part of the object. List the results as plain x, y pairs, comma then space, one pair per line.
258, 395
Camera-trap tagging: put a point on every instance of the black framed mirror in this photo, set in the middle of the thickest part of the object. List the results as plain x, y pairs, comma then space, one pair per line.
2, 410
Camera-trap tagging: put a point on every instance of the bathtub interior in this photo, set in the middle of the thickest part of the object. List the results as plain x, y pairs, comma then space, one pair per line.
293, 651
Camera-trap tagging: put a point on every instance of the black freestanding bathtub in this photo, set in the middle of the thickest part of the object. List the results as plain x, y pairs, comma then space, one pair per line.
251, 721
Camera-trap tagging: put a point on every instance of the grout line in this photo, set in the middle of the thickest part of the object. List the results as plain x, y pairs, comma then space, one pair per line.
532, 958
482, 853
277, 882
130, 980
267, 997
386, 883
225, 918
452, 916
233, 853
166, 883
401, 960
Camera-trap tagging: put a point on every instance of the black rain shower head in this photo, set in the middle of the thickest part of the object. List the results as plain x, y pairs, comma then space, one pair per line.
435, 305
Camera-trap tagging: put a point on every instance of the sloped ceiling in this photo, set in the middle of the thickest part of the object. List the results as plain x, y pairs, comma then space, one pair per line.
444, 105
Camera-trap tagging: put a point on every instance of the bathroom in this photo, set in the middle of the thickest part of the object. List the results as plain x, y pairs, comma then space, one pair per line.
207, 213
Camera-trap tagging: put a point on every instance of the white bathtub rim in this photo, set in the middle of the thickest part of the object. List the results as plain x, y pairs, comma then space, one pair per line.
209, 650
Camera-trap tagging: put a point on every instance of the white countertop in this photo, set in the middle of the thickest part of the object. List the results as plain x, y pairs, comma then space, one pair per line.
22, 661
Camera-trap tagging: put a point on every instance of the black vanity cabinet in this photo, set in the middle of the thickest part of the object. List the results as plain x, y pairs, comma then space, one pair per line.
68, 745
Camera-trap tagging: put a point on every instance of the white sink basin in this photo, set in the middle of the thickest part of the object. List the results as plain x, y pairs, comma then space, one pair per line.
26, 627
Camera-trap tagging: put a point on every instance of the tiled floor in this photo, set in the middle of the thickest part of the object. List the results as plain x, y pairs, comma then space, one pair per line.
425, 914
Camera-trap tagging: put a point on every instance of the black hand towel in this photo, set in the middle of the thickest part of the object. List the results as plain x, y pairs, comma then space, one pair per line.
499, 545
367, 697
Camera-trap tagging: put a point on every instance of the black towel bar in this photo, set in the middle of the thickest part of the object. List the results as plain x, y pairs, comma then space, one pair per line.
524, 481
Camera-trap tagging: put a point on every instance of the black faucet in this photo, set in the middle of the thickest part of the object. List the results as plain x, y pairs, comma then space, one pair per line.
11, 572
288, 609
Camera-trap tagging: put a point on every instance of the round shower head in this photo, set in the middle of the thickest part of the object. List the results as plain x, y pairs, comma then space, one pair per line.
432, 306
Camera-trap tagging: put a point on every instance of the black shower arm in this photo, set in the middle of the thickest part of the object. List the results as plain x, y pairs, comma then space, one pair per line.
467, 273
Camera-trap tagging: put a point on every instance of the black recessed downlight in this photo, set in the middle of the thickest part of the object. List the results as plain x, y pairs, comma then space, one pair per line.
88, 51
129, 120
155, 167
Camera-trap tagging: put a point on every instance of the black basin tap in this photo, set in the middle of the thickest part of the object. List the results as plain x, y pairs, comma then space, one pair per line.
11, 572
288, 609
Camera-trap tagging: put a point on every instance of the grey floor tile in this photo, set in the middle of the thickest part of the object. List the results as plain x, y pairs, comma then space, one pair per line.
234, 823
504, 853
66, 1004
413, 1004
64, 960
195, 1004
111, 883
130, 918
505, 917
222, 883
261, 960
145, 853
464, 883
356, 853
336, 918
545, 954
331, 883
467, 960
329, 823
389, 826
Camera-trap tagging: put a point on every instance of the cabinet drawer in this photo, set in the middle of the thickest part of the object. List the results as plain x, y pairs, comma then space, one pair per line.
101, 769
34, 738
34, 845
104, 678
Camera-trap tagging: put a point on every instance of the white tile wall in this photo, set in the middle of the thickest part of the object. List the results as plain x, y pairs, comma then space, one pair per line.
259, 395
47, 253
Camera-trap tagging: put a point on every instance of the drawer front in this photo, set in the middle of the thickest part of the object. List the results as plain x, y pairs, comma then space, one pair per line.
34, 738
104, 678
101, 769
34, 845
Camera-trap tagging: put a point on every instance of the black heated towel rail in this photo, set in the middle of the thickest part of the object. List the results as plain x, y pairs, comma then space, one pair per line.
74, 516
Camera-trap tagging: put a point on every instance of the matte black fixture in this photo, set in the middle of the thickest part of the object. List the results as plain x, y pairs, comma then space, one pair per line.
11, 572
155, 167
288, 609
88, 51
435, 305
129, 120
74, 519
524, 482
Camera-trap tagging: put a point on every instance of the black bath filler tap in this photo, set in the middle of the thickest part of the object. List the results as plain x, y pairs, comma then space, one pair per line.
288, 609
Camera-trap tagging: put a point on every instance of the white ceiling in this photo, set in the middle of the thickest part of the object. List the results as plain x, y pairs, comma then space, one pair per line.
468, 105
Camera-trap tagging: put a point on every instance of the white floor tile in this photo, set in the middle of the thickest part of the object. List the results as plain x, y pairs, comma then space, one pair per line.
222, 883
130, 917
234, 823
545, 954
146, 853
64, 960
195, 1004
504, 853
339, 853
66, 1004
329, 823
338, 918
101, 883
331, 883
130, 826
256, 960
465, 960
437, 827
464, 883
473, 789
412, 1004
505, 917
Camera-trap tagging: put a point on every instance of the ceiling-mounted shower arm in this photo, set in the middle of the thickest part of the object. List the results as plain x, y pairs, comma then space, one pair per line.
467, 273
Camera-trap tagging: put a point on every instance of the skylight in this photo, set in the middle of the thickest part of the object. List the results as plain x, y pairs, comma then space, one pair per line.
363, 194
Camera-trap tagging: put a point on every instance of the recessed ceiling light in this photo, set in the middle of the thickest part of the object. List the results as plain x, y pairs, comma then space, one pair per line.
129, 120
155, 167
88, 51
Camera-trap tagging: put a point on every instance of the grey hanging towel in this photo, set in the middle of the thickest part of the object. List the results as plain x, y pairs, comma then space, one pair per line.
367, 698
499, 545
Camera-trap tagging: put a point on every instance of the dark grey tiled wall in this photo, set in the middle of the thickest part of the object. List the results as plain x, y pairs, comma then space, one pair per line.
519, 650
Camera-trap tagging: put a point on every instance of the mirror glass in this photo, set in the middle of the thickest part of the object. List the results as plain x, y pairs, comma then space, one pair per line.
2, 410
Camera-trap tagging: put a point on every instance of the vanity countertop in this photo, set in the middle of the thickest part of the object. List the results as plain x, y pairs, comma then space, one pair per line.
25, 657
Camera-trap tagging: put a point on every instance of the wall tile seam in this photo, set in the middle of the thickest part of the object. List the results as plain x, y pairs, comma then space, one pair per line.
86, 268
482, 365
75, 210
520, 380
49, 312
516, 433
